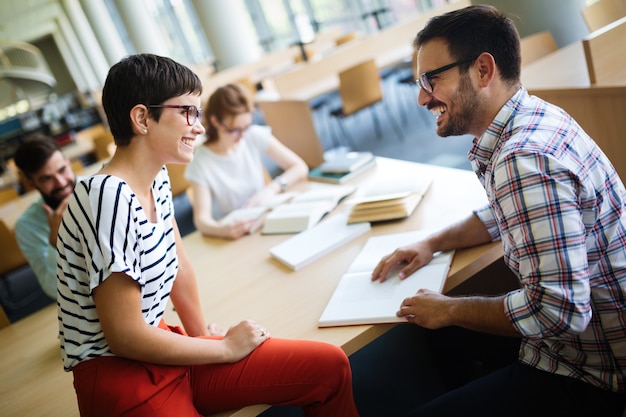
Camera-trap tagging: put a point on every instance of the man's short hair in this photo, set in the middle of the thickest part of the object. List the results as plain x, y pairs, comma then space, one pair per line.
34, 152
473, 30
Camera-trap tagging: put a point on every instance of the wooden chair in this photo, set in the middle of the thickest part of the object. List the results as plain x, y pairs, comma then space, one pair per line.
360, 87
102, 140
292, 123
604, 50
345, 38
536, 46
20, 292
183, 209
11, 256
603, 12
178, 182
299, 58
8, 194
77, 166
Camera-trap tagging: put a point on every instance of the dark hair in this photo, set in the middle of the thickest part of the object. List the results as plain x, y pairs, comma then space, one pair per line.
228, 100
143, 79
473, 30
34, 152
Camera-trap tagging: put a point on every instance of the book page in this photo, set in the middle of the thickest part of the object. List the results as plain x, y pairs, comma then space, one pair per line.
378, 246
359, 300
388, 189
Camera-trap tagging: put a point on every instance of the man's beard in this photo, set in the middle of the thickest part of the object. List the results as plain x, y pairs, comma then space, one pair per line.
52, 201
467, 106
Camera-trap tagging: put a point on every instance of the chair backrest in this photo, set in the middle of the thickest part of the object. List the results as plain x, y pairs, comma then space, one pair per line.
604, 52
603, 12
77, 166
536, 46
11, 256
102, 139
292, 123
360, 87
8, 194
4, 320
178, 181
345, 38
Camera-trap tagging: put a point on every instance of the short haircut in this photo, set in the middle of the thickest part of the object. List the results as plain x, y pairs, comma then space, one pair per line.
34, 152
473, 30
227, 101
143, 79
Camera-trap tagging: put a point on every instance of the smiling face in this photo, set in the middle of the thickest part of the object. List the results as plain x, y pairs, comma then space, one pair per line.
55, 180
232, 128
173, 124
454, 101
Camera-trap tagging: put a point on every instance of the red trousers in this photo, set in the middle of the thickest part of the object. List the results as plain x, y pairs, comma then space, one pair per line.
313, 375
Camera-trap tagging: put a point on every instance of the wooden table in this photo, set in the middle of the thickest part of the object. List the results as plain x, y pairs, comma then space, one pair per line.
239, 280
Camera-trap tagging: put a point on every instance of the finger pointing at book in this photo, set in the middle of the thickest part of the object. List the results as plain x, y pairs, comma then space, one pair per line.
415, 256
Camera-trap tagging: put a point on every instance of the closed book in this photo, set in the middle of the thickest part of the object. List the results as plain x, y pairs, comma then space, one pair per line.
310, 245
359, 300
316, 174
345, 162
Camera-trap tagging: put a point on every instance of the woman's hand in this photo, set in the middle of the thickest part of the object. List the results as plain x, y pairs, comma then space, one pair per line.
243, 338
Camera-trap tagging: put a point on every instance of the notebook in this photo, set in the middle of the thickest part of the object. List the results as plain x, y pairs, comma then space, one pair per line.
359, 300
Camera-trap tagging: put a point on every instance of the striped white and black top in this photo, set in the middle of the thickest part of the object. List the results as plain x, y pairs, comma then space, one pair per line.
105, 230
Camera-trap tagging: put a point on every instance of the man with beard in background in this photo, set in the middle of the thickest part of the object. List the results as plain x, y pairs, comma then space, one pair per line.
43, 166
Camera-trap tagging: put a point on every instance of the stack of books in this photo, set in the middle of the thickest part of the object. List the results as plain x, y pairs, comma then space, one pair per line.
389, 200
343, 167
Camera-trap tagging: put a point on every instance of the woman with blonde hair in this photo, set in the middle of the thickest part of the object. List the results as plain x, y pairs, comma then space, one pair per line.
228, 170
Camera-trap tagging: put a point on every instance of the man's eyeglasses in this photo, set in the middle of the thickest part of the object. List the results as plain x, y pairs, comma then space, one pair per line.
424, 82
192, 113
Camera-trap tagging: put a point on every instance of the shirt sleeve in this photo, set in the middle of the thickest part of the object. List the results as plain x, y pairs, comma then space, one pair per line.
543, 232
32, 235
486, 216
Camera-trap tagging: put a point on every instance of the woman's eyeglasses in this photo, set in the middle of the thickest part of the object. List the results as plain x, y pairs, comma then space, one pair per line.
235, 131
424, 80
192, 113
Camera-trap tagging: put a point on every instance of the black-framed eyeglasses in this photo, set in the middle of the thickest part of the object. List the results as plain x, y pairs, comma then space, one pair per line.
424, 82
192, 113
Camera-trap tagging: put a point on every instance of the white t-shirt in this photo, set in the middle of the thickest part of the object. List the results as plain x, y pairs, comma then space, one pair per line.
105, 230
233, 178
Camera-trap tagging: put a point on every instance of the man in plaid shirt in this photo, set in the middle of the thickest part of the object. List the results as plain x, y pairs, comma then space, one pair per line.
557, 205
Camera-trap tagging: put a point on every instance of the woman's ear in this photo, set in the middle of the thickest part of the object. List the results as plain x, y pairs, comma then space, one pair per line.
139, 119
214, 122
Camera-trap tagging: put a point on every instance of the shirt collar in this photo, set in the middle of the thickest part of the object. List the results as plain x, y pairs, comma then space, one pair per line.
485, 145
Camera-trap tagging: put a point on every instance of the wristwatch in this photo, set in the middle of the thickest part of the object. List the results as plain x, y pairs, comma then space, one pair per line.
281, 183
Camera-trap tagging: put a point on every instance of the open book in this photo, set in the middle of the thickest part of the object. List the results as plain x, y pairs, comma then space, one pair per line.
310, 245
388, 200
359, 300
305, 209
256, 213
